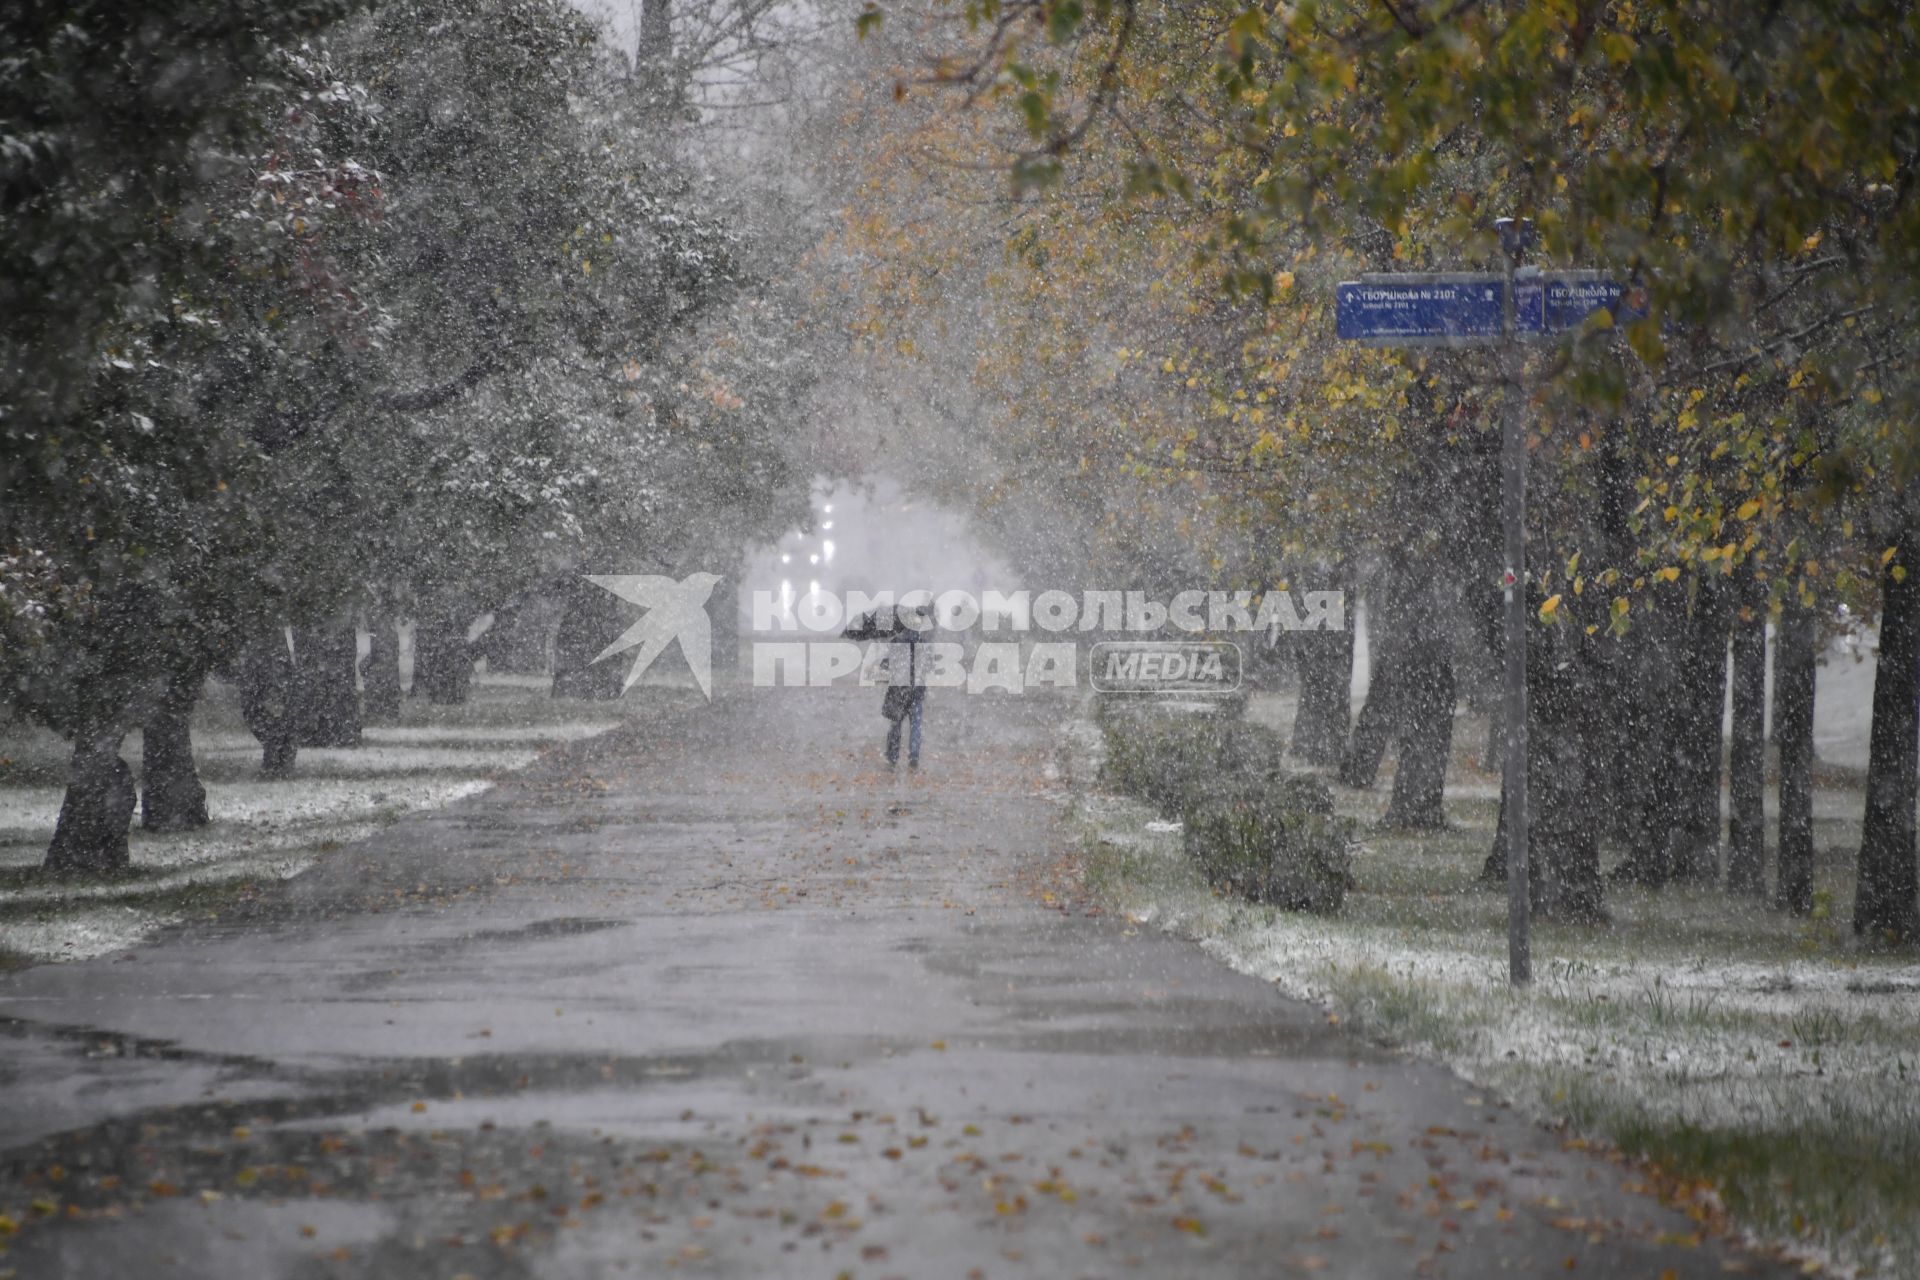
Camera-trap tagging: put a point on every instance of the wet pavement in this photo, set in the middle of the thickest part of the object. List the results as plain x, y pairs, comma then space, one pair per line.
714, 995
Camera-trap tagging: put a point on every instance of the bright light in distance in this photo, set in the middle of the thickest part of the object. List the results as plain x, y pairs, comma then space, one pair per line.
813, 588
786, 597
784, 557
826, 524
826, 550
813, 559
828, 508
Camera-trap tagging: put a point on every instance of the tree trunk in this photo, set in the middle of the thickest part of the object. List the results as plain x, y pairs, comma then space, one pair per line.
1326, 698
661, 82
1619, 740
91, 835
1493, 752
171, 797
380, 671
265, 673
1424, 747
1493, 870
1479, 677
1388, 623
1380, 715
1655, 756
1564, 781
1320, 721
1701, 738
590, 620
656, 33
1887, 905
724, 604
442, 661
1793, 672
1563, 877
1747, 764
520, 641
1427, 697
326, 657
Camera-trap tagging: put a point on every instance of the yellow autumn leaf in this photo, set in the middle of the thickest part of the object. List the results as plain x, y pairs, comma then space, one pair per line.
1668, 574
1549, 608
1748, 509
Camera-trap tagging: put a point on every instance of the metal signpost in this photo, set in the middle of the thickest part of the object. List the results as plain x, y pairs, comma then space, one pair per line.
1513, 581
1461, 308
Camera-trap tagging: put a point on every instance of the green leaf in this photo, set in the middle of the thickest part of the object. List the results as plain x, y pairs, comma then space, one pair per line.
1064, 19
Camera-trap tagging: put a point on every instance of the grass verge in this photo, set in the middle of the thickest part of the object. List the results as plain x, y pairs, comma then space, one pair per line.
262, 830
1767, 1057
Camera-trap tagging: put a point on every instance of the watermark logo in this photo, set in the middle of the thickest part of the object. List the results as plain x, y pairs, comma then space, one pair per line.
1273, 611
1166, 666
675, 611
1012, 641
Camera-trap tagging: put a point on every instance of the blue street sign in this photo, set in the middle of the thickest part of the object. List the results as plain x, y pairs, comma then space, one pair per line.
1462, 308
1438, 308
1572, 296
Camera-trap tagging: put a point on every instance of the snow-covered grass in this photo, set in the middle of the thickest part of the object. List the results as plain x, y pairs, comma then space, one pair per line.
1718, 1038
261, 829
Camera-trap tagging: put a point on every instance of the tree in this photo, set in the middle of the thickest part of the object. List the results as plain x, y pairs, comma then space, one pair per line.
141, 200
1887, 903
1746, 766
425, 343
1745, 165
1793, 683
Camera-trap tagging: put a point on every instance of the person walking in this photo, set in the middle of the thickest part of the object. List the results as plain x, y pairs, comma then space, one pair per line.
907, 629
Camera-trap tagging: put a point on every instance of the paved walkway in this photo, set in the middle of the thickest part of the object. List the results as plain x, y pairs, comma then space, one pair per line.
711, 997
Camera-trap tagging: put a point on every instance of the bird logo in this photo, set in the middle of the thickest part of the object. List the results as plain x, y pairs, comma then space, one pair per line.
674, 611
